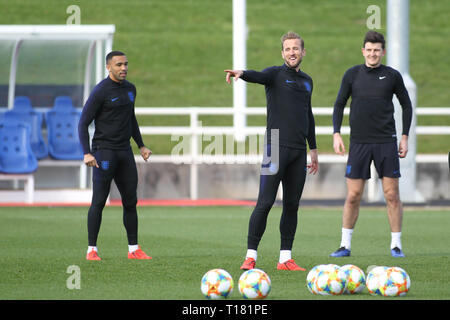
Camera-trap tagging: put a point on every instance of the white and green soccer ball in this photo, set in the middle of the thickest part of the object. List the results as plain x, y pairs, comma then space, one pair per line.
217, 284
355, 279
254, 284
326, 279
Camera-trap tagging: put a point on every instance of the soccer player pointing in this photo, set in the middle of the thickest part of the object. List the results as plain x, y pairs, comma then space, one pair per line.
288, 94
111, 107
372, 137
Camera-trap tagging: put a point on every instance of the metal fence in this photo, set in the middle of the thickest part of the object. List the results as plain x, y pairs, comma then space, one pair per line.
195, 130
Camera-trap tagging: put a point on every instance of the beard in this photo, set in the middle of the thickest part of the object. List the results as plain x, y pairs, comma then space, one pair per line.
293, 66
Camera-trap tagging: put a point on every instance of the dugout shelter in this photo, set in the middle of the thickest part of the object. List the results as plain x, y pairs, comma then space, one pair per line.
45, 61
42, 63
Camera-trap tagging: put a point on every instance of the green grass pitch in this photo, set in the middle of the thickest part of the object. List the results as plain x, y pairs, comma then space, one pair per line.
39, 244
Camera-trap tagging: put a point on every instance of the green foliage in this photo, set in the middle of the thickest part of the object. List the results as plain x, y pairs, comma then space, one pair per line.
179, 49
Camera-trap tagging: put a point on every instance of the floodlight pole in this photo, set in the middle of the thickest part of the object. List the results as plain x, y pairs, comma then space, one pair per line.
239, 63
398, 58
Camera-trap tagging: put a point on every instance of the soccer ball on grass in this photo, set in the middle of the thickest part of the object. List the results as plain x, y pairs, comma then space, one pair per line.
217, 284
311, 279
375, 280
326, 279
355, 279
388, 282
254, 284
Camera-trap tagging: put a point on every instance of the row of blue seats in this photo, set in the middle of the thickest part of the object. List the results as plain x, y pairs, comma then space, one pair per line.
21, 139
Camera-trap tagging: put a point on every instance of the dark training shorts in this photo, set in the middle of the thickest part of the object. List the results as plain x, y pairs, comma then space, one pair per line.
384, 155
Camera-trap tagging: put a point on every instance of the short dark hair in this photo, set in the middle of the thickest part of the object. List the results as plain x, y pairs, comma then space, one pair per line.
292, 35
374, 37
112, 54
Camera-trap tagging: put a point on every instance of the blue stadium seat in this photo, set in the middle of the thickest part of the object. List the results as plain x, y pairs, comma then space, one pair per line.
16, 156
62, 125
63, 104
23, 111
22, 104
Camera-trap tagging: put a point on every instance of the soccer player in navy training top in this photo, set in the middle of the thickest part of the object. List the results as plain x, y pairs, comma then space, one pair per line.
372, 137
290, 123
111, 107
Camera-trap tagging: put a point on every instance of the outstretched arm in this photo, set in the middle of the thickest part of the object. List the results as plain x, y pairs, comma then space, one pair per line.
261, 77
233, 73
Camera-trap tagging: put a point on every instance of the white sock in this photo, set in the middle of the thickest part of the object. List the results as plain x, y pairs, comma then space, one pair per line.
346, 240
396, 240
90, 248
132, 248
251, 253
285, 255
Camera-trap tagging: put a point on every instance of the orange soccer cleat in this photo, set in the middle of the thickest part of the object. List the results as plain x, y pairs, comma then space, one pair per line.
138, 254
289, 265
92, 255
248, 264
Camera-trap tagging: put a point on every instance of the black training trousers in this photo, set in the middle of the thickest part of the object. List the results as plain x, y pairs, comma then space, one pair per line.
120, 166
292, 174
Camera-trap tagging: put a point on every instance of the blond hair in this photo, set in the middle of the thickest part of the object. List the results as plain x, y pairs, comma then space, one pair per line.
292, 35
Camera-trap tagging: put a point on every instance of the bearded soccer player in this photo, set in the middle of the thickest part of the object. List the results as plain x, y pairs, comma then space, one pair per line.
372, 137
111, 107
290, 123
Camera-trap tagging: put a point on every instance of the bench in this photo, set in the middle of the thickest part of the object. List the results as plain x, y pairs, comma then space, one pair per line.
28, 185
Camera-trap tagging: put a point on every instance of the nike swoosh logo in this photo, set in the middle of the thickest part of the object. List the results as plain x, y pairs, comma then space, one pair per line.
114, 99
290, 81
381, 78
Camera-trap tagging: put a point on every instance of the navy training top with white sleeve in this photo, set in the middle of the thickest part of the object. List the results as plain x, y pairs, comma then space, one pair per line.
371, 109
111, 107
288, 95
